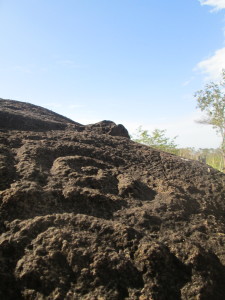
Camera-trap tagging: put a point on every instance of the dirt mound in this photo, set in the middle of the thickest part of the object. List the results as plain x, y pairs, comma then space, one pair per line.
85, 213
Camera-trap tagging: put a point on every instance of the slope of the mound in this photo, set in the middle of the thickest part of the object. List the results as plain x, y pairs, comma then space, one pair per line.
90, 215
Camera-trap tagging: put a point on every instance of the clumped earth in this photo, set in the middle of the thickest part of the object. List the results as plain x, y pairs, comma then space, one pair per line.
86, 213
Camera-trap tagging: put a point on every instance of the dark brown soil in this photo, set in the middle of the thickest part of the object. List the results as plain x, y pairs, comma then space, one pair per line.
86, 213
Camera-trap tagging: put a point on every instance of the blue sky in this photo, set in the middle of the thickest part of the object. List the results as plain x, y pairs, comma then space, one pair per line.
136, 62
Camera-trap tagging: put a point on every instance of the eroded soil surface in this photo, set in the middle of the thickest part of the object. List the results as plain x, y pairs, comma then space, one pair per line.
86, 213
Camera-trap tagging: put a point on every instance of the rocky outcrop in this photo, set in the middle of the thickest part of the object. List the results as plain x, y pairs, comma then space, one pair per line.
86, 213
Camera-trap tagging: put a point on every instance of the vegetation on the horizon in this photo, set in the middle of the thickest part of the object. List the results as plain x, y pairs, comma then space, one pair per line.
211, 156
158, 139
211, 101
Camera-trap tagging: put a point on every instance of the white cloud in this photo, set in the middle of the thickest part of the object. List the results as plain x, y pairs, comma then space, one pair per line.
73, 106
213, 65
53, 105
187, 82
23, 69
217, 4
67, 63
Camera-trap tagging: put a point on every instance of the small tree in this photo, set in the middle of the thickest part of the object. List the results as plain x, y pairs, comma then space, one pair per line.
211, 101
157, 139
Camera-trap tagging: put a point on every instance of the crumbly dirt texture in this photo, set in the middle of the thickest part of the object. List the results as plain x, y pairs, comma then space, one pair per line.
86, 213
